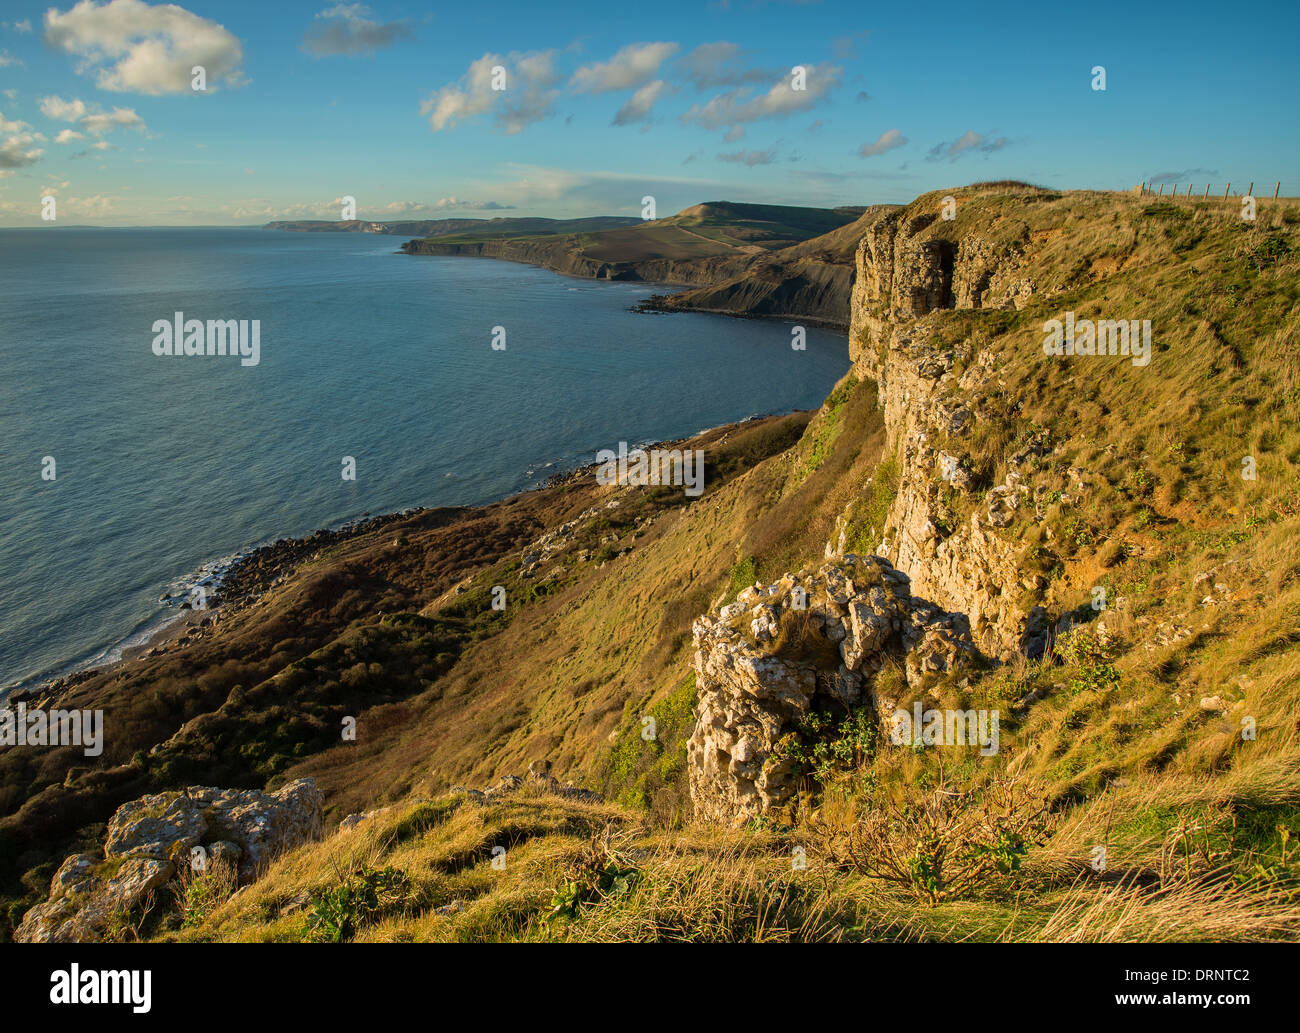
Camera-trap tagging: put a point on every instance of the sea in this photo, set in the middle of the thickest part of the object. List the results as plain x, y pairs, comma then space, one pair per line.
127, 476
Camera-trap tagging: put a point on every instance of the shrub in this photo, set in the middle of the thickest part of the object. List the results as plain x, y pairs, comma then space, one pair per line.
940, 844
365, 896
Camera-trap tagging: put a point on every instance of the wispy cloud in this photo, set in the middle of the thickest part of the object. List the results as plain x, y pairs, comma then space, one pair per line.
886, 141
459, 204
970, 142
640, 106
845, 48
89, 117
711, 65
750, 158
347, 29
633, 66
740, 106
529, 97
1182, 176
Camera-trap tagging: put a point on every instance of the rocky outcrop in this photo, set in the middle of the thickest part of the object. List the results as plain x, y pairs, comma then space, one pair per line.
908, 265
149, 837
805, 643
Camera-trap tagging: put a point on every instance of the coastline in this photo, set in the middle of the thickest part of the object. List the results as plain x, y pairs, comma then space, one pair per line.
243, 579
799, 288
663, 305
235, 581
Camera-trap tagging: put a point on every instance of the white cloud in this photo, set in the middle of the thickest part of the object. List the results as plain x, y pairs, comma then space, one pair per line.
132, 46
62, 110
7, 59
739, 106
68, 135
347, 29
530, 93
640, 105
99, 123
886, 141
634, 65
16, 150
92, 120
19, 26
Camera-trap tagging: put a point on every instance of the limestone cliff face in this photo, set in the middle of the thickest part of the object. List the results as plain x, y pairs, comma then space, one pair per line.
808, 289
934, 596
908, 272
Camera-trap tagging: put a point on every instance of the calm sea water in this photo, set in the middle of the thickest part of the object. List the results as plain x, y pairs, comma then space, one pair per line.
166, 464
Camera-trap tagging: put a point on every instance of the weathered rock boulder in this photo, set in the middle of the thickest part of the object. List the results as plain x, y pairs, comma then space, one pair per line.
147, 838
89, 897
804, 643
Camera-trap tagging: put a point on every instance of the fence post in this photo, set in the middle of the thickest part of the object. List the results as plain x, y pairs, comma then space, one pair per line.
1276, 188
1162, 191
1250, 190
1207, 189
1225, 191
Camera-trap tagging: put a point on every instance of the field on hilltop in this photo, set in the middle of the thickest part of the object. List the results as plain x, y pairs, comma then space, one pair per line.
701, 231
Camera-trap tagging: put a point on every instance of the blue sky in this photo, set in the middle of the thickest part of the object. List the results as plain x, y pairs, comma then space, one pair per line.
605, 103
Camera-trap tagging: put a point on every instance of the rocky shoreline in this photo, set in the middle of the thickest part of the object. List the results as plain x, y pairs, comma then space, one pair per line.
250, 575
669, 304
